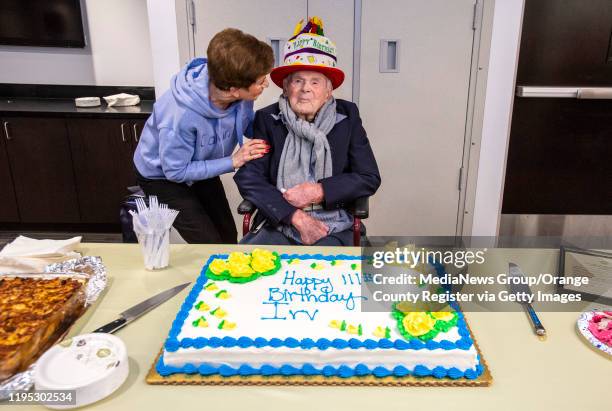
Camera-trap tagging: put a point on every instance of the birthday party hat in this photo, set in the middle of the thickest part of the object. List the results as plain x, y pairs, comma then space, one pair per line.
309, 49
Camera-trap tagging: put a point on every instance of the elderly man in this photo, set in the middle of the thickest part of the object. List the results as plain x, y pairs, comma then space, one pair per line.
320, 158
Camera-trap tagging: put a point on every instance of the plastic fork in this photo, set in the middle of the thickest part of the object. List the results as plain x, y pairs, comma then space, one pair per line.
153, 204
141, 205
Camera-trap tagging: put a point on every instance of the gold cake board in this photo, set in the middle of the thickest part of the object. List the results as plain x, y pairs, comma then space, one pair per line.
484, 380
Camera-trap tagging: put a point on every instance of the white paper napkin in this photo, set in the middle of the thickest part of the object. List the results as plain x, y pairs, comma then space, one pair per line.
30, 255
122, 100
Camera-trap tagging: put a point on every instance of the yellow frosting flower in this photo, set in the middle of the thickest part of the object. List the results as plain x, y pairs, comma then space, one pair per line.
335, 324
262, 260
262, 253
382, 332
223, 295
219, 312
200, 322
239, 258
226, 325
202, 306
354, 329
239, 265
237, 269
218, 266
442, 315
418, 323
262, 264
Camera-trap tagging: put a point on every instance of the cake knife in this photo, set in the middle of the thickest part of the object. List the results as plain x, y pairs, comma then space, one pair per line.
139, 309
524, 289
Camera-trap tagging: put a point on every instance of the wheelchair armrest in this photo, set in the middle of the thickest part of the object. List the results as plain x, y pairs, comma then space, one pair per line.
361, 207
246, 207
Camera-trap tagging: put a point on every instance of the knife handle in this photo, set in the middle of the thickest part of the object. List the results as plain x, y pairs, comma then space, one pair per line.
111, 327
535, 321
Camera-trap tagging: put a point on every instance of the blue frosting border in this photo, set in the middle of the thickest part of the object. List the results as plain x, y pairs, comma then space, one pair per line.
172, 343
343, 371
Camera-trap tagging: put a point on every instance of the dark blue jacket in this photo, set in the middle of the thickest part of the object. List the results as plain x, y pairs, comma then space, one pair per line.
355, 172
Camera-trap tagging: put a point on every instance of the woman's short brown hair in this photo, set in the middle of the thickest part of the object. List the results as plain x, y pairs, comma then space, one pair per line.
237, 59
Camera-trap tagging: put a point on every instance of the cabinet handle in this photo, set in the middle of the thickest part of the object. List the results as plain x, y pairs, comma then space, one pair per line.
135, 133
6, 130
122, 132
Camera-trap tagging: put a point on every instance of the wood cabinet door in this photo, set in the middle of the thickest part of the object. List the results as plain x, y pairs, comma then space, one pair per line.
41, 165
102, 152
9, 212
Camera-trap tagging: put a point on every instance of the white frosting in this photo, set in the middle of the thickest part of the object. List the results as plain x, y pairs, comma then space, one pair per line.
298, 317
388, 358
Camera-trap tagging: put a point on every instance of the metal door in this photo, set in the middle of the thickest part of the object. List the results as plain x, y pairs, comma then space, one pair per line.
415, 75
559, 173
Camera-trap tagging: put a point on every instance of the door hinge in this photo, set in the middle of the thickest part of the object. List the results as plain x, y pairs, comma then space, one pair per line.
460, 178
192, 19
475, 16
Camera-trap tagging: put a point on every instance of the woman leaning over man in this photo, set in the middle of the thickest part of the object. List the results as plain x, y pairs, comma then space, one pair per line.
188, 141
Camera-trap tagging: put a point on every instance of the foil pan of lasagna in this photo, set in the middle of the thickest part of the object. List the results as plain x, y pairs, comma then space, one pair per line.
59, 297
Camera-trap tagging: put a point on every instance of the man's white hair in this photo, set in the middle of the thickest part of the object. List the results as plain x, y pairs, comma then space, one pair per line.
289, 77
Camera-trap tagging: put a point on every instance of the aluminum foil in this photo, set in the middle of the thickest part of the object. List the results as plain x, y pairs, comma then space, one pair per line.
91, 267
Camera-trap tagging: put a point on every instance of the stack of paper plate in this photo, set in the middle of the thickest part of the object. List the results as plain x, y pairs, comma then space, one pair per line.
87, 101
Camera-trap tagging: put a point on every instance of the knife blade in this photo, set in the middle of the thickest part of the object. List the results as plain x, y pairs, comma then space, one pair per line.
139, 309
520, 288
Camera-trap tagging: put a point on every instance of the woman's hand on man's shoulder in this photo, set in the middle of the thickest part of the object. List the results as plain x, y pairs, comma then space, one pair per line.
250, 150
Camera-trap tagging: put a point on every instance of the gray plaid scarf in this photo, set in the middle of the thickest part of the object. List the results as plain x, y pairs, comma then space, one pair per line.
305, 140
306, 157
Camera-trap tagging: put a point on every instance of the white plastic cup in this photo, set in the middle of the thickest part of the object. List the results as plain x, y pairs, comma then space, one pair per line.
155, 249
